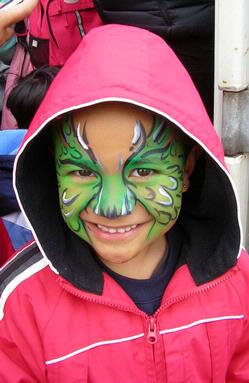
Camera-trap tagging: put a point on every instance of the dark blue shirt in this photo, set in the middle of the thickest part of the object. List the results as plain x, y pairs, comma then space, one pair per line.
147, 293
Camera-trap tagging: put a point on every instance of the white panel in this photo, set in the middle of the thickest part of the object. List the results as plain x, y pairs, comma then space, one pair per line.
239, 170
232, 30
218, 94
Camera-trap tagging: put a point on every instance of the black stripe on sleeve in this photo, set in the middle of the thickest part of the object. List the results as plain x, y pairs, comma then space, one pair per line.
23, 260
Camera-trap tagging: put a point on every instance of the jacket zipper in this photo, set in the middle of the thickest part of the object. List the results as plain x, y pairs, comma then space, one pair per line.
152, 335
152, 331
100, 301
199, 290
152, 326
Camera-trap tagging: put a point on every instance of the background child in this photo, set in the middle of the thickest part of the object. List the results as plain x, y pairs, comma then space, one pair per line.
25, 98
137, 273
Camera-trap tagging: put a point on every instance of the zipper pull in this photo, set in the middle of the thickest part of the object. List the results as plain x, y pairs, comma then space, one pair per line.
152, 334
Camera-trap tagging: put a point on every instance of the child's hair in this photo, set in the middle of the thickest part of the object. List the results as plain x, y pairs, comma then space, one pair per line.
26, 96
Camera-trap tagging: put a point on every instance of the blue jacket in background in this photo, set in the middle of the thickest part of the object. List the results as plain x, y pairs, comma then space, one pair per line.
10, 213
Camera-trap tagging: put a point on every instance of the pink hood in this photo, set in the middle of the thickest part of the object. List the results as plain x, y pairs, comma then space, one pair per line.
128, 64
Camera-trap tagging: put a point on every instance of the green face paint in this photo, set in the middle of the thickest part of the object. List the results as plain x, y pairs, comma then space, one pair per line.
73, 155
151, 175
161, 192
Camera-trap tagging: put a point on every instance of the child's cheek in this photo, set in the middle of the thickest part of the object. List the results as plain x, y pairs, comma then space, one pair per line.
161, 197
73, 200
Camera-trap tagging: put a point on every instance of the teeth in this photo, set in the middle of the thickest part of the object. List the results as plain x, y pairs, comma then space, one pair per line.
113, 230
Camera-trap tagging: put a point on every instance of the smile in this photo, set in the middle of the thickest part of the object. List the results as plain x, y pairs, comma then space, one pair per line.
113, 230
112, 233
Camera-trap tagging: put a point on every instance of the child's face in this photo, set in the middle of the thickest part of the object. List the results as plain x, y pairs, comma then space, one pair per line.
120, 173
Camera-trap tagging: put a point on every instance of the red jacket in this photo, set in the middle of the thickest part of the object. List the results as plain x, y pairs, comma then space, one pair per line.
199, 334
64, 319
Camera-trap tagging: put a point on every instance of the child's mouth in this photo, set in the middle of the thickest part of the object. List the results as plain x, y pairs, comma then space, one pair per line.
113, 230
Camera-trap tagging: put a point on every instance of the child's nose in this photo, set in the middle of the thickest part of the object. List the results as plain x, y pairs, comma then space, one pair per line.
114, 199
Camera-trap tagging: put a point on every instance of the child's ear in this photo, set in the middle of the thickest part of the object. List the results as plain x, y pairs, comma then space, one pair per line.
192, 157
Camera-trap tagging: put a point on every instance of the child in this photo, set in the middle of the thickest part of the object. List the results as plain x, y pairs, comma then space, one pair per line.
25, 98
137, 273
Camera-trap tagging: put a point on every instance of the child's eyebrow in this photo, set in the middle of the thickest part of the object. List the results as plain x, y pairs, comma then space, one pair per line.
80, 164
140, 162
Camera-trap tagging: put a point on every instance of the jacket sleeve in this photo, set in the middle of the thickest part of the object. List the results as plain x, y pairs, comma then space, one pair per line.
21, 354
239, 365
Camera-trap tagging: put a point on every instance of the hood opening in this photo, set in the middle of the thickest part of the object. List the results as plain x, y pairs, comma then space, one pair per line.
145, 72
208, 220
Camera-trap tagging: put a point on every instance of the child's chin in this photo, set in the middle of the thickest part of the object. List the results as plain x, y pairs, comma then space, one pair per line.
114, 258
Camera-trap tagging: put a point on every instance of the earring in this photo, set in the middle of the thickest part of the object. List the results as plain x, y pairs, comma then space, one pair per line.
185, 187
185, 183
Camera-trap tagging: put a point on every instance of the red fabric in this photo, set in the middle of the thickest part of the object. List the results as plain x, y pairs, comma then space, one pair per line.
55, 24
193, 332
6, 248
158, 93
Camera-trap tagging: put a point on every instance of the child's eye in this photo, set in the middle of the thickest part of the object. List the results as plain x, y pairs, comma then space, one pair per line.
83, 173
142, 173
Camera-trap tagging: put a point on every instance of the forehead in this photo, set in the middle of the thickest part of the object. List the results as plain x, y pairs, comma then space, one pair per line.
110, 128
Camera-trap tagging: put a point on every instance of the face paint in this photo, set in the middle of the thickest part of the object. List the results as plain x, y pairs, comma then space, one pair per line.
151, 176
74, 157
161, 156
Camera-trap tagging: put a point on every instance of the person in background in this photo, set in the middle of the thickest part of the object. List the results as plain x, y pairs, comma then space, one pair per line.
26, 96
6, 53
47, 34
11, 12
137, 273
54, 30
7, 44
20, 66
